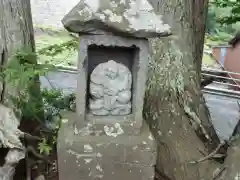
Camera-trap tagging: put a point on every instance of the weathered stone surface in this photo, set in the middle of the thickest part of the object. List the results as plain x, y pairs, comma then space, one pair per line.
129, 17
119, 171
110, 87
41, 177
105, 157
9, 132
9, 138
11, 160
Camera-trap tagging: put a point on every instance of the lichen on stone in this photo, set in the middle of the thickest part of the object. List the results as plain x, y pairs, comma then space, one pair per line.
114, 131
129, 17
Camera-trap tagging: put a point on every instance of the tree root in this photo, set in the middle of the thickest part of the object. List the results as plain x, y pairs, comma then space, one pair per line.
37, 155
211, 155
160, 176
30, 137
195, 121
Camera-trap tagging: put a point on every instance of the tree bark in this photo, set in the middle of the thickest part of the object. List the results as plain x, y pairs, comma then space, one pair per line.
232, 162
174, 106
16, 33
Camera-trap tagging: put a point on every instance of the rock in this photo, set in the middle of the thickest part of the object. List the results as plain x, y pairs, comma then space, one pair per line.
12, 158
9, 138
41, 177
9, 132
127, 17
110, 88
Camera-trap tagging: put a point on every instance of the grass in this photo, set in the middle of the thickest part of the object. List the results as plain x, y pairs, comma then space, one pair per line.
44, 39
208, 60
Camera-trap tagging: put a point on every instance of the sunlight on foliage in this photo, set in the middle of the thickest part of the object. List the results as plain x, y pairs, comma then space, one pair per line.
44, 147
234, 16
57, 50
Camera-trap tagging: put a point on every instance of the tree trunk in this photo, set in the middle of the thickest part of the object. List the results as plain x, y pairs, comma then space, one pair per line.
16, 33
232, 162
174, 106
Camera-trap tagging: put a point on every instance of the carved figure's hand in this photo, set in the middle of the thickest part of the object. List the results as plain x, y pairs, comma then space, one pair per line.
96, 91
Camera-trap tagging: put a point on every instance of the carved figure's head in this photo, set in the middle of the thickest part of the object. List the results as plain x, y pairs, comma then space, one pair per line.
112, 69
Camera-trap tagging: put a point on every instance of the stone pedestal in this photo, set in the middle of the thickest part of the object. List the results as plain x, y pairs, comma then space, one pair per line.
83, 156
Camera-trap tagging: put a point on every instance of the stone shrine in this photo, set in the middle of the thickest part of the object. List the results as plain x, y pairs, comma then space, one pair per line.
107, 137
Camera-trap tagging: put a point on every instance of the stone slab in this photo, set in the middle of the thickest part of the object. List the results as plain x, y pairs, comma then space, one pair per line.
126, 17
105, 157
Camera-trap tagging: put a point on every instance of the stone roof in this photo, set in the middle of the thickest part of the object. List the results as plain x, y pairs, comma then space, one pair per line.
135, 18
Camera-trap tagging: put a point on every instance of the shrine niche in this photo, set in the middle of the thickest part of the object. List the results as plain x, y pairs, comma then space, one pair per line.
110, 89
111, 81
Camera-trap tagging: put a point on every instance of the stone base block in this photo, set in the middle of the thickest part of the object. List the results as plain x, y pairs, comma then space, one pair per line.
105, 157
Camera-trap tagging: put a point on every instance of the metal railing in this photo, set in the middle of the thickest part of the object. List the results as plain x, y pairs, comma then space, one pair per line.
223, 83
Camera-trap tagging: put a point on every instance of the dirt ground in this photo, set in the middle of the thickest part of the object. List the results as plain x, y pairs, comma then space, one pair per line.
49, 171
52, 173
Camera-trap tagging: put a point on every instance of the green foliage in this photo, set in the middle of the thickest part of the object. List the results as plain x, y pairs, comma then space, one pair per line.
56, 49
20, 74
221, 17
66, 57
44, 147
211, 22
234, 15
219, 37
54, 102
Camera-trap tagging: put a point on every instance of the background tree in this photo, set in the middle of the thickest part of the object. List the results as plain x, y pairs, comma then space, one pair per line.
174, 106
234, 15
17, 35
211, 20
17, 45
223, 18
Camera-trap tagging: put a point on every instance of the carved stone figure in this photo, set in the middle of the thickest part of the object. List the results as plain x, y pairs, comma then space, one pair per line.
110, 89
